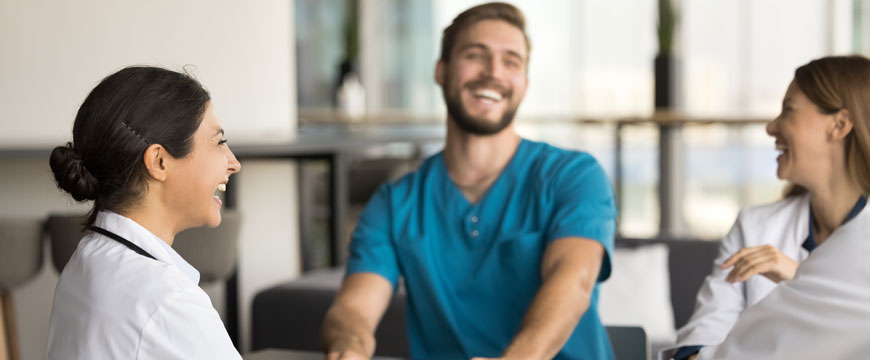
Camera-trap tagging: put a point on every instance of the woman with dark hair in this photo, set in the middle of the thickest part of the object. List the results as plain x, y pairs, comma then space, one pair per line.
148, 150
823, 134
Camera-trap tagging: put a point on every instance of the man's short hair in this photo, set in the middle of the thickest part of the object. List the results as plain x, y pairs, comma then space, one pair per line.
489, 11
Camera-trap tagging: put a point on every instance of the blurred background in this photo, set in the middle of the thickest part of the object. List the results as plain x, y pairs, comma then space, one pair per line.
325, 99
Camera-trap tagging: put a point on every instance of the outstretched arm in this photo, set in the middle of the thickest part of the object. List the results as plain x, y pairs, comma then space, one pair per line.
569, 271
349, 326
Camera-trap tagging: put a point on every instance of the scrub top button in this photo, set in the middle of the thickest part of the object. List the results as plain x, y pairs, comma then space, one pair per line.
474, 219
474, 233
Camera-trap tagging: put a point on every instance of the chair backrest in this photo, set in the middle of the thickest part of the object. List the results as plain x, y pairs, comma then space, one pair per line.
629, 342
211, 251
20, 251
689, 263
290, 316
64, 232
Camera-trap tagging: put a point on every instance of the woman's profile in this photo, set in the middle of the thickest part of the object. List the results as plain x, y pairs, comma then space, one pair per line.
149, 151
823, 135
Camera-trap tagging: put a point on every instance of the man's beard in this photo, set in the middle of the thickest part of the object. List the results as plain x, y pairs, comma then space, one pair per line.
473, 125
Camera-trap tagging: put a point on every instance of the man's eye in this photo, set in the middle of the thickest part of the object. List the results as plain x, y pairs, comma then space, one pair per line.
222, 141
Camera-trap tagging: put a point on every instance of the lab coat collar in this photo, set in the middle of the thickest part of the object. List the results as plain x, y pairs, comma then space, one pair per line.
136, 234
800, 222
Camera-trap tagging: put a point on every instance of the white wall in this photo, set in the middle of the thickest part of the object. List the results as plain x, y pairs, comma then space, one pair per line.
269, 252
54, 52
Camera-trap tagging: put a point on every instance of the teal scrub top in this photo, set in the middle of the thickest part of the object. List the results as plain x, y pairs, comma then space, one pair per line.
472, 270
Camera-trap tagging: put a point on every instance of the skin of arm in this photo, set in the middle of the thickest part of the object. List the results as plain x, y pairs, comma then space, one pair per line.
349, 325
569, 271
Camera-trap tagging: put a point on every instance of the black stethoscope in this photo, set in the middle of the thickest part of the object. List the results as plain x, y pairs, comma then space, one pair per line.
122, 240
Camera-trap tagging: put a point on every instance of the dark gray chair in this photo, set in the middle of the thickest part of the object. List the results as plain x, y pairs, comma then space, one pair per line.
689, 263
629, 342
64, 233
211, 251
20, 260
290, 315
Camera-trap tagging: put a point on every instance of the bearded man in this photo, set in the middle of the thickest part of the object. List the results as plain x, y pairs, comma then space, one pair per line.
501, 241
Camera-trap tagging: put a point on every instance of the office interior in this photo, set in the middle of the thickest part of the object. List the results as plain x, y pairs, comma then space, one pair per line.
323, 100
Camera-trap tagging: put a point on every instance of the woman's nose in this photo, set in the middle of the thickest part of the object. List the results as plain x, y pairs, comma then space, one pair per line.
233, 164
771, 127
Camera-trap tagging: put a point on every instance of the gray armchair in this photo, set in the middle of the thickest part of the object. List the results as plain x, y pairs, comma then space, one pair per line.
211, 251
290, 315
20, 260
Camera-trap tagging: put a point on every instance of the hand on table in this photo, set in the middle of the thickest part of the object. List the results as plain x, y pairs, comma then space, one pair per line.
345, 355
766, 260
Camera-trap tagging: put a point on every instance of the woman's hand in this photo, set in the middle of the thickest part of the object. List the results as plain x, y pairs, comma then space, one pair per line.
766, 260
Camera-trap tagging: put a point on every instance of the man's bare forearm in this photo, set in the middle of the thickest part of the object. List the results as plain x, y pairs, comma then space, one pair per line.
569, 271
345, 330
551, 319
351, 320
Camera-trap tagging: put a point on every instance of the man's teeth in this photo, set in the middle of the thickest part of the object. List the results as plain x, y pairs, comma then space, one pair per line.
222, 187
781, 147
489, 94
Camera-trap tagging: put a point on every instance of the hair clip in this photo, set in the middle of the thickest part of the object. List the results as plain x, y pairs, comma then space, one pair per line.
135, 133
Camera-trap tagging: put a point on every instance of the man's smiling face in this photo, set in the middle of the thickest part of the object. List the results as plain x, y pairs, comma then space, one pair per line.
486, 77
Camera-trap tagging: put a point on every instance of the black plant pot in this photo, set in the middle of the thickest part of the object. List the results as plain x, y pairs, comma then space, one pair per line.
664, 82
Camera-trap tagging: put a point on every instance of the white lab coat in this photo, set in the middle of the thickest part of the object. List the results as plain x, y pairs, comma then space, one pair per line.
823, 313
783, 224
113, 303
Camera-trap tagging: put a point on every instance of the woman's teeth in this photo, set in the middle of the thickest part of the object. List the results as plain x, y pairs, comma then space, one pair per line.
222, 187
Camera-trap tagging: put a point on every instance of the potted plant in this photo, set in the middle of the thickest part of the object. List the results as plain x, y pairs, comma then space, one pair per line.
668, 17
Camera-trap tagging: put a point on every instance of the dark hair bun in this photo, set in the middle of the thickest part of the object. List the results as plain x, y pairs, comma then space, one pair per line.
71, 174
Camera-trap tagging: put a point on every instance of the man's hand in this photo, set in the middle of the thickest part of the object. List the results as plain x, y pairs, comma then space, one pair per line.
349, 326
766, 260
345, 355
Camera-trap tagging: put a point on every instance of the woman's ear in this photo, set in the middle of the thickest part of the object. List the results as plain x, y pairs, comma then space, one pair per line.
155, 159
841, 126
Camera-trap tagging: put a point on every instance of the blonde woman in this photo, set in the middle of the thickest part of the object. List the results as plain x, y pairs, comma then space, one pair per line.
823, 134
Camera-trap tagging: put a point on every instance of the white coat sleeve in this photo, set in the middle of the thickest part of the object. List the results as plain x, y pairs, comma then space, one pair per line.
186, 326
719, 303
822, 313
